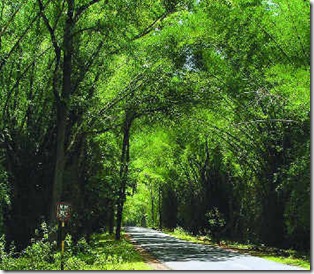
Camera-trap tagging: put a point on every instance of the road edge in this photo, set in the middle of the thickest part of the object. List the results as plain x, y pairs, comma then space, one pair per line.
148, 258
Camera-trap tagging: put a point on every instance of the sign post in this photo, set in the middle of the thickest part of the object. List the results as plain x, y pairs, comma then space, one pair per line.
63, 214
62, 245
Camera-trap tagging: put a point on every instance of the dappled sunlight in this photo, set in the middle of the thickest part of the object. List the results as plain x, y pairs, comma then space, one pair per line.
182, 255
168, 248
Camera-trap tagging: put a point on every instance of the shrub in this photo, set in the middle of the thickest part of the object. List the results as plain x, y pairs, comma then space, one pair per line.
75, 263
216, 222
37, 256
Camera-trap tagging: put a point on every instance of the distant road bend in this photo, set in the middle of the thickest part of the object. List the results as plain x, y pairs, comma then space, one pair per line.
182, 255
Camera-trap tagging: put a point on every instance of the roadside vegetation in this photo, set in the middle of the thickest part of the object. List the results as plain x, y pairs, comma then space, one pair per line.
101, 253
289, 256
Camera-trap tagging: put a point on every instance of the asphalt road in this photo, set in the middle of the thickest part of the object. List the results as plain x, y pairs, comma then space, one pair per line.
182, 255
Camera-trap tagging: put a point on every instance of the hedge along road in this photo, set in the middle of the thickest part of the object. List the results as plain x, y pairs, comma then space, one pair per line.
182, 255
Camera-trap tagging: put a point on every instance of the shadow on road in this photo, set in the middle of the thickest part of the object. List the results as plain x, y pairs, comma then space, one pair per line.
167, 248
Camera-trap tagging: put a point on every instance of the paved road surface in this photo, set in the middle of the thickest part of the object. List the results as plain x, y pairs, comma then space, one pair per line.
181, 255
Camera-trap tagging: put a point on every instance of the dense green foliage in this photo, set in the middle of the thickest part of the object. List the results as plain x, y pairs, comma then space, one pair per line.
243, 151
156, 113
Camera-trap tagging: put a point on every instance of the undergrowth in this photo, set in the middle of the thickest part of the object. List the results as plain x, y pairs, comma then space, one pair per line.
101, 253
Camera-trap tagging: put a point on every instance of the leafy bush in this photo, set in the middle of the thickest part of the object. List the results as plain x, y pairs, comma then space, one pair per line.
38, 255
216, 222
82, 246
75, 263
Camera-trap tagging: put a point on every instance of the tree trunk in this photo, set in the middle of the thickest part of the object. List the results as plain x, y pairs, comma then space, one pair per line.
119, 219
60, 161
159, 207
111, 219
124, 168
152, 204
62, 110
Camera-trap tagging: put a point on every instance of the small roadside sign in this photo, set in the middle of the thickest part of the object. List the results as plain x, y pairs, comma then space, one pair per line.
63, 211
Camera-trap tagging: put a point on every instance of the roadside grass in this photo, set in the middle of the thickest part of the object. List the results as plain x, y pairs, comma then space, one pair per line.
102, 253
289, 257
289, 260
108, 254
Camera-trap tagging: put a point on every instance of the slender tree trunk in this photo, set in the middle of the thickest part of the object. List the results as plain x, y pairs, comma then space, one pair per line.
111, 219
152, 204
159, 207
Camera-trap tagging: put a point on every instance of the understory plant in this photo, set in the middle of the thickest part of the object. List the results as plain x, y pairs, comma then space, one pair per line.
101, 253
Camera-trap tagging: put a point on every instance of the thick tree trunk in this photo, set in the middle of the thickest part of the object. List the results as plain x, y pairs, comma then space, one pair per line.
119, 219
60, 161
124, 168
62, 110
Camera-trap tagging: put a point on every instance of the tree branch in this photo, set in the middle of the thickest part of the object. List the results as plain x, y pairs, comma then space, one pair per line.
88, 65
4, 60
10, 20
17, 82
150, 27
57, 49
50, 30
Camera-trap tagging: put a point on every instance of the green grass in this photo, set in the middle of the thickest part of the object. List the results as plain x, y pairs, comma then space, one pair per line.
289, 257
107, 254
289, 260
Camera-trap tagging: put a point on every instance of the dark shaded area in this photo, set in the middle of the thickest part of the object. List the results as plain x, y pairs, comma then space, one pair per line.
30, 169
169, 207
30, 174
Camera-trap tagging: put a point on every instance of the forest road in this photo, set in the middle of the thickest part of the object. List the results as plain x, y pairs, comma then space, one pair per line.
177, 254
